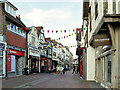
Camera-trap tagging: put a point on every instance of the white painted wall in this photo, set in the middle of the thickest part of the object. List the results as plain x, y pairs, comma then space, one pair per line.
90, 63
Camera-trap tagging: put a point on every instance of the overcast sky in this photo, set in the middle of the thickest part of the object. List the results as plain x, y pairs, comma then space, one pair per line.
52, 15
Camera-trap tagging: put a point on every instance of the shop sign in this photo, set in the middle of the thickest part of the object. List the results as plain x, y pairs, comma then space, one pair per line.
14, 52
101, 40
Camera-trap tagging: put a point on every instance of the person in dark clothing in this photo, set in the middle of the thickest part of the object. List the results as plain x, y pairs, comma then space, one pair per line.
63, 69
73, 70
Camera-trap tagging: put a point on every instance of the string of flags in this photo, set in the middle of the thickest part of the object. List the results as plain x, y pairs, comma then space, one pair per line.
53, 31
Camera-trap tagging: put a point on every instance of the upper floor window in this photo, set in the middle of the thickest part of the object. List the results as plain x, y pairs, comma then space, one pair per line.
7, 7
10, 10
90, 19
16, 30
33, 41
96, 9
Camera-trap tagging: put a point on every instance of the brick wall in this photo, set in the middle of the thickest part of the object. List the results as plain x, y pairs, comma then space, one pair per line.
16, 40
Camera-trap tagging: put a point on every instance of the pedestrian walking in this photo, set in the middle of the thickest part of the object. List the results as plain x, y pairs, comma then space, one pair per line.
58, 69
61, 69
73, 69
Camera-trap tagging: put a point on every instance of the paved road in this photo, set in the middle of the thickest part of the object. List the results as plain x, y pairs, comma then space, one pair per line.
46, 80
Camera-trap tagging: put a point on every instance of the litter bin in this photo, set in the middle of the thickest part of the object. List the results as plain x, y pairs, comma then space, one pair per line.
26, 71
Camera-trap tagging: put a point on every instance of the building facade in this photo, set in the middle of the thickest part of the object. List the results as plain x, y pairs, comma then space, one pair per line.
14, 33
33, 51
103, 42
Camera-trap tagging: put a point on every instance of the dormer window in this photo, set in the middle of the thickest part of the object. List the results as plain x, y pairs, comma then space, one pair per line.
9, 8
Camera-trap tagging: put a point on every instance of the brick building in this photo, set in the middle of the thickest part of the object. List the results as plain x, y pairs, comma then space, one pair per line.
14, 33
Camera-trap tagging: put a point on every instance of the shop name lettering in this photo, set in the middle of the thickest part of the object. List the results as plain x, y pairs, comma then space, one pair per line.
102, 40
12, 51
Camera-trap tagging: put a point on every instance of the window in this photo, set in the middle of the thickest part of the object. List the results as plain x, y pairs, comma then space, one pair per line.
96, 9
16, 29
105, 6
109, 68
1, 62
8, 26
90, 19
10, 10
7, 7
12, 27
19, 30
33, 41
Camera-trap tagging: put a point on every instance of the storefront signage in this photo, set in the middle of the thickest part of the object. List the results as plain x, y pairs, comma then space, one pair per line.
14, 52
101, 40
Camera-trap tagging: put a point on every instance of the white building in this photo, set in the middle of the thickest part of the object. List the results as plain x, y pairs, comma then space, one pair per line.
33, 50
102, 20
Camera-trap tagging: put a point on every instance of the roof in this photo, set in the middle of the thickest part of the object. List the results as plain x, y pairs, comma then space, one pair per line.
12, 5
14, 20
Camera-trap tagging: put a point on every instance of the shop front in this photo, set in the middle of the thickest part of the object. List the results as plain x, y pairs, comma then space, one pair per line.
2, 59
16, 62
33, 60
103, 60
54, 63
46, 64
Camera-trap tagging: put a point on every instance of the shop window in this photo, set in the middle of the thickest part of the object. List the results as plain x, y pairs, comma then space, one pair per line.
103, 68
109, 68
1, 62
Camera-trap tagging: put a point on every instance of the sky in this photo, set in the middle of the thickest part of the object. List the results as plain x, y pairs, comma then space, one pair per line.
53, 15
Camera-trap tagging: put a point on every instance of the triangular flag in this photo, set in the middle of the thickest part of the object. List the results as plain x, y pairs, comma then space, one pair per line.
52, 31
11, 26
25, 29
48, 31
65, 31
73, 30
21, 28
61, 31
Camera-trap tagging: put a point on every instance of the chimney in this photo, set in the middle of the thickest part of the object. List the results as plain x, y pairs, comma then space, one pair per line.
19, 16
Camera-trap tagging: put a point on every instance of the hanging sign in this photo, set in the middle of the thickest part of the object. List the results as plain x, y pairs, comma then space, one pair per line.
101, 40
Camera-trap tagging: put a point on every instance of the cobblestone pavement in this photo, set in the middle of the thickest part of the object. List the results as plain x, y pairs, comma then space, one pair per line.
48, 80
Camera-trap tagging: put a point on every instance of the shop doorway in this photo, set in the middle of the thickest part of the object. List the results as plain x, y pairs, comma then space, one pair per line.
34, 65
19, 65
